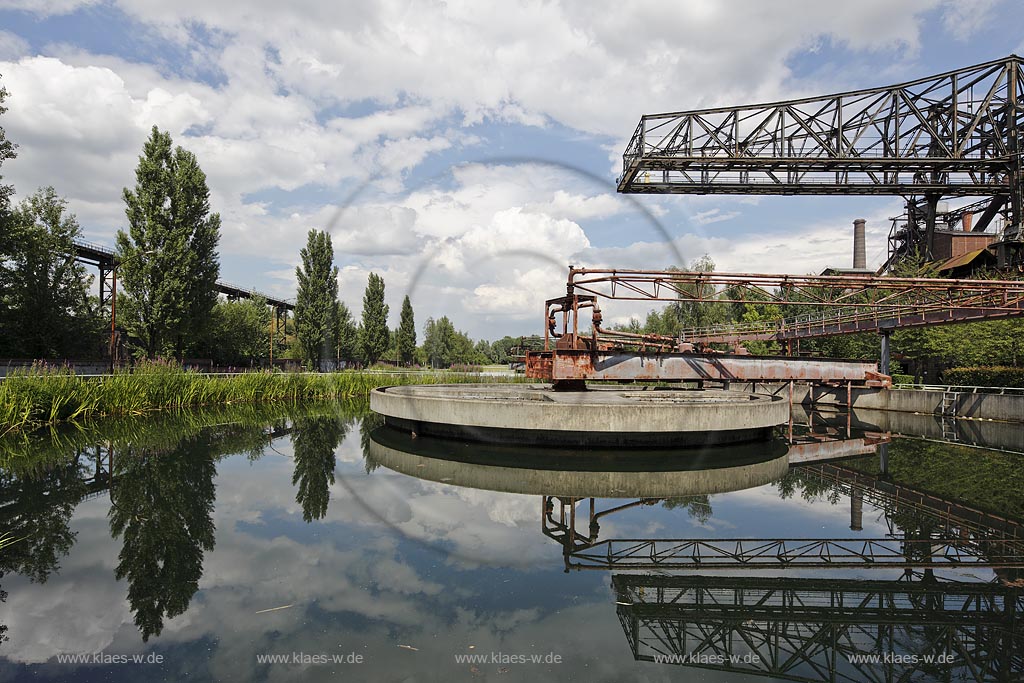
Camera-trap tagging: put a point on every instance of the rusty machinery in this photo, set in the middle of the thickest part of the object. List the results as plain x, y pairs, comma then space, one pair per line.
574, 353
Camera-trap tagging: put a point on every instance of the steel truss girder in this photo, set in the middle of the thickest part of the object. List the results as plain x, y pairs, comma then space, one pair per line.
1004, 296
955, 133
814, 629
855, 303
762, 553
106, 259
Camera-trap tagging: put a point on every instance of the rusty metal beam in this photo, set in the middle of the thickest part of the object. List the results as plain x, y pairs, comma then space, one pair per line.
852, 303
836, 449
584, 364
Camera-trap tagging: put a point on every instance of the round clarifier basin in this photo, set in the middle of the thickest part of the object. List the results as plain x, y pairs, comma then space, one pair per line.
562, 472
605, 416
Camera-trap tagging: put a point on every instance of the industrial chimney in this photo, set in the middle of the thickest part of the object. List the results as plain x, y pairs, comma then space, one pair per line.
860, 259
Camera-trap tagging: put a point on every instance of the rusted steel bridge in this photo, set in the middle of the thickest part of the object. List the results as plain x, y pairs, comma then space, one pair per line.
955, 134
575, 352
105, 260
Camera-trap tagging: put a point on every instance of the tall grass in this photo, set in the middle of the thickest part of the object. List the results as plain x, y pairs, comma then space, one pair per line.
44, 396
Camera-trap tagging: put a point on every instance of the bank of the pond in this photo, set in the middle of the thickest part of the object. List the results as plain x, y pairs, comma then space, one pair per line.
43, 397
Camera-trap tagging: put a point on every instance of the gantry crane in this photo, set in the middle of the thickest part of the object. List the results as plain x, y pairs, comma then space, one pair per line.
955, 134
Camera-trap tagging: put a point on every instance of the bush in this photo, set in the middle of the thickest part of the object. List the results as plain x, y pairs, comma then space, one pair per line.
902, 379
995, 376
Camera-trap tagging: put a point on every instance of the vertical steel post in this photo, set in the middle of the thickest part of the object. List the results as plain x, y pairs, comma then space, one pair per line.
884, 360
113, 318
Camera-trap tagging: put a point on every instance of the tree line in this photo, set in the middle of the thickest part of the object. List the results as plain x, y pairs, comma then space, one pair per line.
167, 306
327, 331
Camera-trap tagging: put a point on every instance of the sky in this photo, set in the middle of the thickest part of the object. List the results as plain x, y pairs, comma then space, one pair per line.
465, 151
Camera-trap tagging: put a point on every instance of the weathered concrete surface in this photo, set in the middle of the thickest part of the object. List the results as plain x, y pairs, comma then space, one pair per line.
1002, 407
399, 452
619, 416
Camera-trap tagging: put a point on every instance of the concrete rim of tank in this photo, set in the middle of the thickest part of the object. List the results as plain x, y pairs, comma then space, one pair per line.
603, 409
576, 483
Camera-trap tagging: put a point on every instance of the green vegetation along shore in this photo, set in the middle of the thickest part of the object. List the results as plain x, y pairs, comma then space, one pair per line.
48, 396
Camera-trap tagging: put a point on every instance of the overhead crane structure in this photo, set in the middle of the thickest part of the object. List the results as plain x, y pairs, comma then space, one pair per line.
955, 134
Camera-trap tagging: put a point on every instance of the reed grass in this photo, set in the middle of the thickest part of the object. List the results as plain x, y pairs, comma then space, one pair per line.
44, 396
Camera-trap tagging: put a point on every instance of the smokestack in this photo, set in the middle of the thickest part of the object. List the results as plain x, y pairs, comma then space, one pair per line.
860, 259
856, 509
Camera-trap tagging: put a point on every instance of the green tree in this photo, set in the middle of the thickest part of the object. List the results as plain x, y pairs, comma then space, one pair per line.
47, 311
438, 342
316, 306
169, 254
347, 335
239, 332
374, 335
406, 333
690, 314
6, 152
8, 243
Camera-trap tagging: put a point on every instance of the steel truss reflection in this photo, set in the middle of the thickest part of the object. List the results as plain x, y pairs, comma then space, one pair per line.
825, 629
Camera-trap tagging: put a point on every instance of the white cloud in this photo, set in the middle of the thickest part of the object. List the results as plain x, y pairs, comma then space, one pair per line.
11, 45
713, 216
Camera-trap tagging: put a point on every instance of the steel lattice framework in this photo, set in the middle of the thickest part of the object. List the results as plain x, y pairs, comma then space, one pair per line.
851, 303
825, 629
955, 134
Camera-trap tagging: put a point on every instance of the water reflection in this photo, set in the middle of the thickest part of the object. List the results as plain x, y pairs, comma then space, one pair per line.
313, 443
923, 623
825, 629
159, 475
835, 541
162, 508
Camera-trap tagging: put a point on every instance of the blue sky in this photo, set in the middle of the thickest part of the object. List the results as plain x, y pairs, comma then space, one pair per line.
474, 144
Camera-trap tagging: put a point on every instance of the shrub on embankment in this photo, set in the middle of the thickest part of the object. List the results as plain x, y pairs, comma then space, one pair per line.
45, 396
995, 376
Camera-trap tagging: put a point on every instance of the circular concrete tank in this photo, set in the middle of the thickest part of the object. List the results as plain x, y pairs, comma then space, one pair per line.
601, 416
579, 474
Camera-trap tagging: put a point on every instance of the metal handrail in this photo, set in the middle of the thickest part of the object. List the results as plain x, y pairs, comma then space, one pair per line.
961, 389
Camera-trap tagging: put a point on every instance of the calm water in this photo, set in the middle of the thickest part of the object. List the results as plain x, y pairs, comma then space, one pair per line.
205, 547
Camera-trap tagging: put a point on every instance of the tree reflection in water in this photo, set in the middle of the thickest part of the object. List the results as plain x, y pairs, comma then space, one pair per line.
162, 506
314, 441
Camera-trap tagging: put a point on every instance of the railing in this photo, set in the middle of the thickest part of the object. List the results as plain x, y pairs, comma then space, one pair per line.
961, 389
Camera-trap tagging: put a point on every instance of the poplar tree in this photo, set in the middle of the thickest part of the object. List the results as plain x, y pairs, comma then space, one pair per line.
346, 336
316, 306
8, 244
406, 333
169, 254
374, 334
6, 152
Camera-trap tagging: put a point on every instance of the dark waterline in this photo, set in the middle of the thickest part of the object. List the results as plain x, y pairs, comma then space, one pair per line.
205, 544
